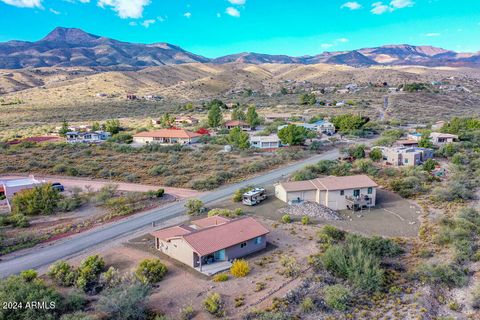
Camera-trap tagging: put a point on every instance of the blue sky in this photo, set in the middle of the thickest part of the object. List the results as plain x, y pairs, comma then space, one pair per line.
217, 27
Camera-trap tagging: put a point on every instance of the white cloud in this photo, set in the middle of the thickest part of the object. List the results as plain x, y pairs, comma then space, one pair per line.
399, 4
54, 11
132, 23
326, 45
380, 7
126, 8
352, 5
238, 2
342, 40
232, 12
24, 3
147, 23
187, 15
162, 18
432, 34
219, 15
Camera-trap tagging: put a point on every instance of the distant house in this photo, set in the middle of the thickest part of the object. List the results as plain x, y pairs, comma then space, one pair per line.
265, 142
211, 240
407, 143
337, 193
439, 139
325, 126
10, 187
182, 120
237, 124
438, 125
403, 156
87, 137
414, 136
307, 126
167, 136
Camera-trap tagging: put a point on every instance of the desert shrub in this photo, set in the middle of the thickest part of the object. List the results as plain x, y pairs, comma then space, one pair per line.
71, 203
238, 194
221, 277
449, 275
62, 273
76, 300
291, 268
376, 154
337, 297
408, 187
157, 170
286, 219
187, 313
330, 234
18, 220
353, 262
476, 297
28, 288
42, 200
110, 278
106, 193
126, 301
89, 272
77, 316
151, 271
159, 193
194, 207
121, 137
240, 268
28, 275
213, 304
226, 213
305, 220
378, 246
307, 305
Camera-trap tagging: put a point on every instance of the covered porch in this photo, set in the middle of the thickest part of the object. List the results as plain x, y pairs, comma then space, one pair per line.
214, 268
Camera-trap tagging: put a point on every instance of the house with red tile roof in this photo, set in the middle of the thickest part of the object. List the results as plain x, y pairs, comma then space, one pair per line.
166, 136
237, 123
337, 193
211, 240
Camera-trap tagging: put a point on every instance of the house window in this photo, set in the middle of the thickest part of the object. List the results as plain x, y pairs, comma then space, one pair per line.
370, 190
406, 161
342, 192
258, 240
243, 245
356, 193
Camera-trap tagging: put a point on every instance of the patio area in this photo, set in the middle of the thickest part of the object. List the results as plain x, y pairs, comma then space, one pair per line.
214, 268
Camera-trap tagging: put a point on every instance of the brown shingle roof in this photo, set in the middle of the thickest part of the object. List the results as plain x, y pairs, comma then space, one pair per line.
209, 240
168, 133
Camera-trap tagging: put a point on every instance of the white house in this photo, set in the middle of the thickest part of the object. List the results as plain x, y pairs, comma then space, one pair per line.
87, 137
265, 142
325, 126
440, 139
337, 193
9, 187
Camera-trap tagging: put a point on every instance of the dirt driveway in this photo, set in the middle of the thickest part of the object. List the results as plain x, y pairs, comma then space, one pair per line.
71, 182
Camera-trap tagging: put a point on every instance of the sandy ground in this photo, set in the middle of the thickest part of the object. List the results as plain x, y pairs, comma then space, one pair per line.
122, 186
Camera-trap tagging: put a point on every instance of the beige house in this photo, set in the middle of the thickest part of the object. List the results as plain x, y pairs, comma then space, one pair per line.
265, 142
237, 124
186, 120
406, 156
440, 139
337, 193
211, 240
166, 136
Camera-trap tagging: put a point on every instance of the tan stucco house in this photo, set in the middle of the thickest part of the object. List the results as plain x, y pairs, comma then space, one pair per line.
237, 124
210, 240
166, 136
337, 193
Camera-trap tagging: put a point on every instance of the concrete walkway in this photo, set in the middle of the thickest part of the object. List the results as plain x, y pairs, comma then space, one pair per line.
119, 229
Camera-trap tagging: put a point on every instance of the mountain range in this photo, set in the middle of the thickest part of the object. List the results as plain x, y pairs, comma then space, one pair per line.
71, 47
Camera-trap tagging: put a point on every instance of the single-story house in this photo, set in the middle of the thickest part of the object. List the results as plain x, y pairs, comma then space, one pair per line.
9, 187
166, 136
213, 239
265, 142
87, 137
337, 193
407, 143
182, 120
237, 124
403, 156
439, 139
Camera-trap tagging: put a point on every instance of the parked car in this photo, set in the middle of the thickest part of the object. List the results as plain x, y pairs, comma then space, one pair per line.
58, 186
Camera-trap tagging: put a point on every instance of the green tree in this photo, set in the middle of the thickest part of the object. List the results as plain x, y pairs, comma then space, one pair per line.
215, 117
252, 117
96, 126
218, 103
64, 129
194, 207
42, 200
429, 165
151, 271
293, 135
112, 126
425, 142
357, 151
238, 138
308, 99
167, 121
238, 114
376, 154
349, 122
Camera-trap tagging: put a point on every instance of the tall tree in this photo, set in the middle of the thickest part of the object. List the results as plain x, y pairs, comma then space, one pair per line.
167, 121
112, 126
63, 129
293, 135
252, 117
238, 114
238, 138
215, 117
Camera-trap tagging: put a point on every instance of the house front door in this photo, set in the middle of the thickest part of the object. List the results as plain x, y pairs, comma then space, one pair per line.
219, 255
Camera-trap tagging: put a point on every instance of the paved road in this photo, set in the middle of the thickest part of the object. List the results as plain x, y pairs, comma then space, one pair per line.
65, 248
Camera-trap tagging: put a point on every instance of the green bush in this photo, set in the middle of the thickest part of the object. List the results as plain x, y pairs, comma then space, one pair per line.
226, 213
221, 277
238, 195
307, 305
126, 301
337, 297
187, 313
305, 220
151, 271
42, 200
62, 273
88, 273
194, 207
286, 219
476, 297
449, 275
331, 234
159, 193
378, 246
213, 304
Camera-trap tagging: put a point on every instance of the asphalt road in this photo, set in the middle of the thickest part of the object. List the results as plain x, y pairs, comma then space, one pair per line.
63, 249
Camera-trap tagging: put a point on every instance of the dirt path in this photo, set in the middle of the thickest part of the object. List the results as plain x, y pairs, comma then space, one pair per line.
70, 182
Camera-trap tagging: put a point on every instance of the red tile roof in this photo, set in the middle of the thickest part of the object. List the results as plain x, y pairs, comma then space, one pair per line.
217, 237
168, 133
